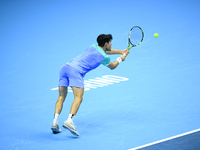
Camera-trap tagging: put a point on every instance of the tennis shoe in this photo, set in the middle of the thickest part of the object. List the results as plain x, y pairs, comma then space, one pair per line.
55, 128
70, 126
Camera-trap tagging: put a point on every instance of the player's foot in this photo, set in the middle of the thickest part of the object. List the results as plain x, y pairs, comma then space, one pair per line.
70, 126
55, 128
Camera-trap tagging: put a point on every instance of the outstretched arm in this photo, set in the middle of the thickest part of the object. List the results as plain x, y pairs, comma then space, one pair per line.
115, 51
114, 64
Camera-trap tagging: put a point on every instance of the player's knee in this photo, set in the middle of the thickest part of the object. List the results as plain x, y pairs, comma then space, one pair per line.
61, 98
79, 99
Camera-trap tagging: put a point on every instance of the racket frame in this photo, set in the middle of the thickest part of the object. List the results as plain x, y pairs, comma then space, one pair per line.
131, 45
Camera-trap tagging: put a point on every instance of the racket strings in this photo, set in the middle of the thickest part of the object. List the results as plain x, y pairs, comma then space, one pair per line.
136, 36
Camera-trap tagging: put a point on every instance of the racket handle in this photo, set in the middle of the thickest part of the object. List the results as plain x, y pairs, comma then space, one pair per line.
124, 54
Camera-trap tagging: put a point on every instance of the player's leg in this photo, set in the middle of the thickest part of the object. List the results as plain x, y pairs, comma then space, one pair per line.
78, 97
58, 108
61, 98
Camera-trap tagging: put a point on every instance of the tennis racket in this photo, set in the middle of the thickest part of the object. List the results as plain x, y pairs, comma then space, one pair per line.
135, 37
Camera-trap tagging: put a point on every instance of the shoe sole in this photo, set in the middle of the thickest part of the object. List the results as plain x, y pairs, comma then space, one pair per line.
67, 127
55, 130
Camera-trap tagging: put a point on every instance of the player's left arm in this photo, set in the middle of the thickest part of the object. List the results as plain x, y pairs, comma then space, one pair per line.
113, 65
115, 51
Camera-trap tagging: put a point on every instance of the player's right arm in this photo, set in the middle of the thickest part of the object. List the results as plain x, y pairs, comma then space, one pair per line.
114, 64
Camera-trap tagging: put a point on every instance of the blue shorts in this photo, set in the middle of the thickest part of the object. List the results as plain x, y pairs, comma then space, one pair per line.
70, 77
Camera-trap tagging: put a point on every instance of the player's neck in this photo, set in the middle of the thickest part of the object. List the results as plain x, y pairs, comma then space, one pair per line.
104, 49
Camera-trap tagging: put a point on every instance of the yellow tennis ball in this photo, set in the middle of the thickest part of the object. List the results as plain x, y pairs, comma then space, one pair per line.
156, 35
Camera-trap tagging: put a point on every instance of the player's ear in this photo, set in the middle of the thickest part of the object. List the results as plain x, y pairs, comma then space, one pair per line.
106, 44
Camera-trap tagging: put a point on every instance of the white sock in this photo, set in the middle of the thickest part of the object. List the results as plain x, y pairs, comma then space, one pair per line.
70, 118
55, 118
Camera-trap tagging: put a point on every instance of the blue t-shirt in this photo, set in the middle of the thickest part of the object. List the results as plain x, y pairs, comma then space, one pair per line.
90, 59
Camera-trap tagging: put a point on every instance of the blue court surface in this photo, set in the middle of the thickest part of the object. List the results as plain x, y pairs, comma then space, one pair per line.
150, 101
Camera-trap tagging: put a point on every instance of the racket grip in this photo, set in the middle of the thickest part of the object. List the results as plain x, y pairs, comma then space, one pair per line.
124, 54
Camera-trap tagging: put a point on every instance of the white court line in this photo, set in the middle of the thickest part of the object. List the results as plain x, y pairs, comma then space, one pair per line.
160, 141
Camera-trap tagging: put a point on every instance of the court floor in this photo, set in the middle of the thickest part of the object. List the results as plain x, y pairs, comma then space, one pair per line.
150, 101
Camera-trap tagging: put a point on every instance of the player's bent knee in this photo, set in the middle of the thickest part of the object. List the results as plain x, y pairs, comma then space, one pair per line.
61, 98
79, 99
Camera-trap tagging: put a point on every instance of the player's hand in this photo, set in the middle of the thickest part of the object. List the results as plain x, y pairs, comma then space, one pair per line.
125, 52
123, 57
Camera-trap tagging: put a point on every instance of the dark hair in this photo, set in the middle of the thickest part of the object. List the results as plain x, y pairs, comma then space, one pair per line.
103, 38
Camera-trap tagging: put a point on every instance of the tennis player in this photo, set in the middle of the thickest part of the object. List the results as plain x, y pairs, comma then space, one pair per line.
73, 72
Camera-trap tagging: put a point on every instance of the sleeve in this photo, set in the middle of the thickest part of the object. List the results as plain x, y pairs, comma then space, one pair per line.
106, 61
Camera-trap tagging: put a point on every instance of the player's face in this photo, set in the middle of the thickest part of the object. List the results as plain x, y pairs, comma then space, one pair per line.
109, 45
